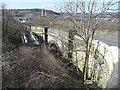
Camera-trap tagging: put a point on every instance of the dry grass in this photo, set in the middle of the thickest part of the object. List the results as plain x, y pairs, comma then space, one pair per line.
32, 67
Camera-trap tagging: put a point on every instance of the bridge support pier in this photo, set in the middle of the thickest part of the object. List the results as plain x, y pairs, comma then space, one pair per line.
70, 44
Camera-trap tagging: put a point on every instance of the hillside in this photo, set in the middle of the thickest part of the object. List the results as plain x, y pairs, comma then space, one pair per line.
23, 12
43, 17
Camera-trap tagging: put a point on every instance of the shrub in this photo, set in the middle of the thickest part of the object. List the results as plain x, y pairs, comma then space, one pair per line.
32, 67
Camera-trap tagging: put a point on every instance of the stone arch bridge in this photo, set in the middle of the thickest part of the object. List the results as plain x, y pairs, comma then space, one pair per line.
102, 52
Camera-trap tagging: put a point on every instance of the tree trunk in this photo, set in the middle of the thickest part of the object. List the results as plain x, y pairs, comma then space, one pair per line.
85, 68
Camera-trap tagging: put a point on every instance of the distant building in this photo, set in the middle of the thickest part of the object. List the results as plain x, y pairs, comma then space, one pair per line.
25, 18
28, 16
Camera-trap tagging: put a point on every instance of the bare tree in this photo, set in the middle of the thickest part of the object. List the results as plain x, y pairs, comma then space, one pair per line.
3, 7
11, 30
83, 19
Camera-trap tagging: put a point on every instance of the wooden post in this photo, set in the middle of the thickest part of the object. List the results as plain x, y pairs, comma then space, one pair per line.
46, 35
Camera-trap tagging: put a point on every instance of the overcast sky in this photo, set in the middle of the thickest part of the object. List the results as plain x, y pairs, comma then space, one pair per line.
46, 4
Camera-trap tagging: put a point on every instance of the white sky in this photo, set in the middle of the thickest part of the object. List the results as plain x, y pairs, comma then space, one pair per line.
47, 4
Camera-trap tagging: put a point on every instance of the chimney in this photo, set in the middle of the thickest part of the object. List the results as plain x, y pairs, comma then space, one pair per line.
45, 12
42, 12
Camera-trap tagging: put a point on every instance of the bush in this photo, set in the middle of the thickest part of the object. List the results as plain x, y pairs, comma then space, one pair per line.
32, 67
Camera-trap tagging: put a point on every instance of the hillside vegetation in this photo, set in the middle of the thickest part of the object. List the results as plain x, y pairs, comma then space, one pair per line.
32, 67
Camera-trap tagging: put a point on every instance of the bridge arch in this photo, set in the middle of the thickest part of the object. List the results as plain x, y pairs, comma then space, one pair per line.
53, 47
